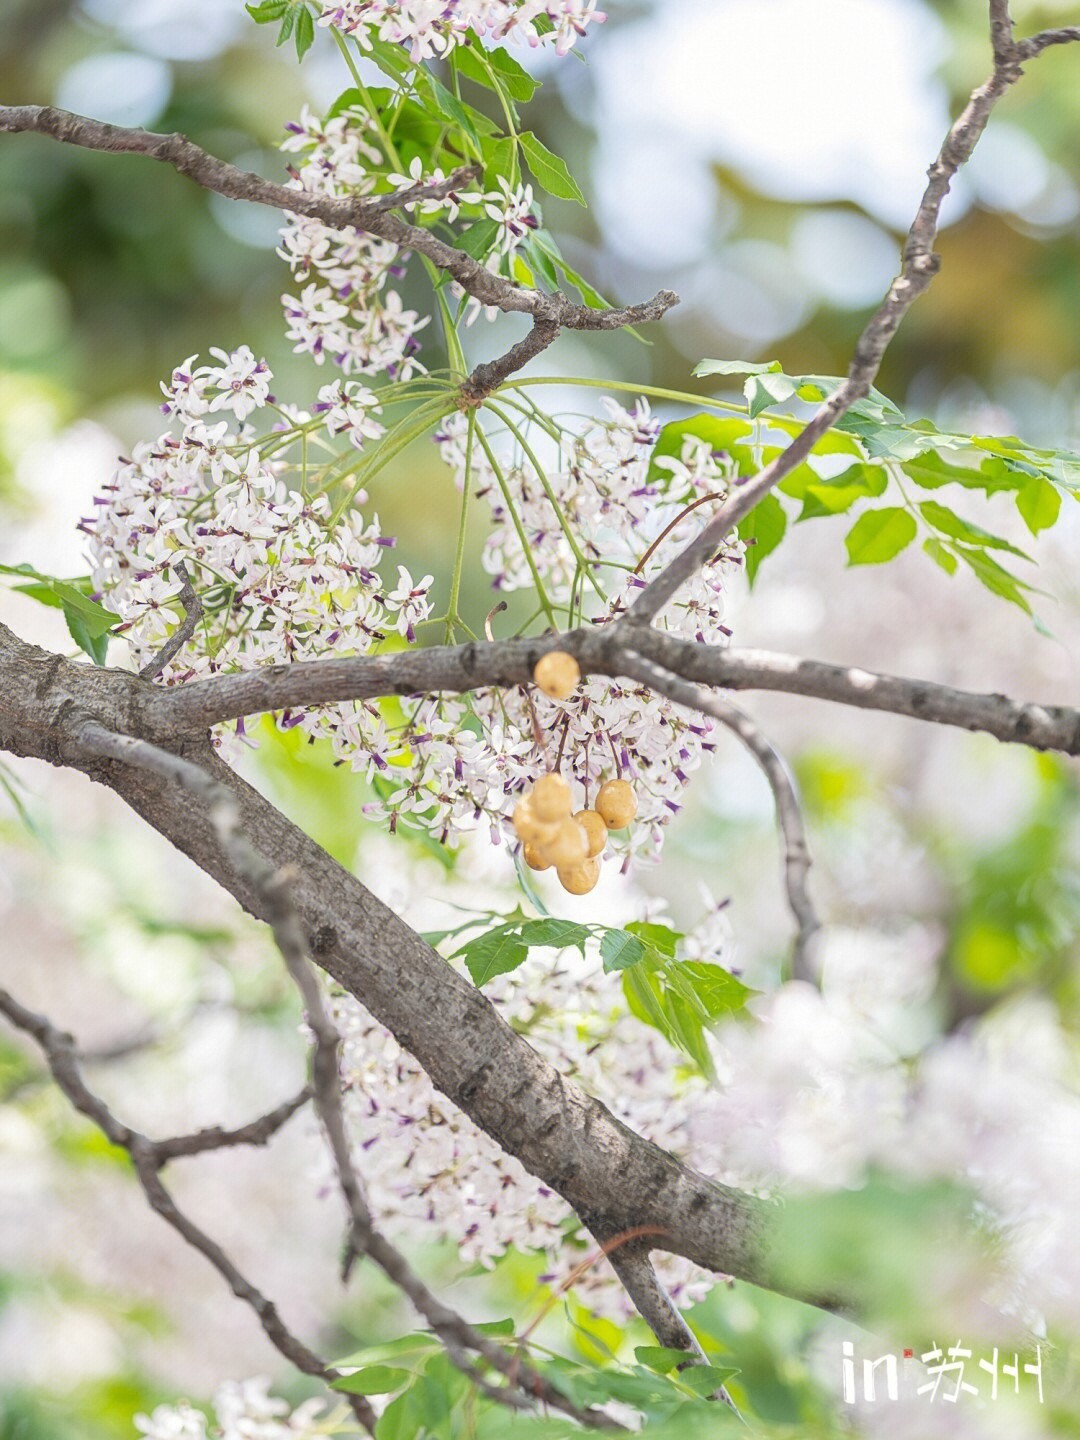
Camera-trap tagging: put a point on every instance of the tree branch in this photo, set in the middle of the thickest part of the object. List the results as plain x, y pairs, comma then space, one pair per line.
255, 1132
550, 312
796, 851
457, 1335
193, 612
148, 1156
168, 713
918, 268
640, 1281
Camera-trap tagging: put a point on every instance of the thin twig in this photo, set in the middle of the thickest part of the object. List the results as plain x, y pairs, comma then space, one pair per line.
59, 1051
918, 268
550, 312
193, 612
215, 1137
796, 851
637, 1274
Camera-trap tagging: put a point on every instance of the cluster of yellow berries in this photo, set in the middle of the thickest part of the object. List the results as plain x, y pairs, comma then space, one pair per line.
573, 843
544, 820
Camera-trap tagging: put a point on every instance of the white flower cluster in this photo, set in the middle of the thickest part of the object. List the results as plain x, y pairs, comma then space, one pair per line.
279, 577
432, 1173
432, 28
243, 1410
449, 776
346, 311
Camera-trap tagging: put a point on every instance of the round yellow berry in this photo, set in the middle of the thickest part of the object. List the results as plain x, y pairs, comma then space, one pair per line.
595, 831
616, 804
557, 674
551, 798
536, 858
570, 845
527, 825
580, 879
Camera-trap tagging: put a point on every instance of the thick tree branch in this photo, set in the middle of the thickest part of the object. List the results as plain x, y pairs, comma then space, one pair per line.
147, 1156
614, 1179
796, 851
457, 1335
918, 268
527, 1386
168, 712
376, 216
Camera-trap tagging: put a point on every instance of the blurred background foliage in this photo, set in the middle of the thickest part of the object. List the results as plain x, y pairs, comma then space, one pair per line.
760, 156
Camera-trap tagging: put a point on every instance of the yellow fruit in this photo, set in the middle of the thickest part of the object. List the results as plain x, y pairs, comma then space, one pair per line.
526, 825
536, 859
580, 879
570, 845
616, 804
595, 831
557, 674
551, 798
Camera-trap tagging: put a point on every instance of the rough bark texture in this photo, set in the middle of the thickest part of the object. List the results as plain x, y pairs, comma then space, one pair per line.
614, 1179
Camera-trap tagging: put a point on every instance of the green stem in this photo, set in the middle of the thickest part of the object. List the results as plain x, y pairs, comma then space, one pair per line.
652, 390
564, 524
402, 436
459, 558
525, 546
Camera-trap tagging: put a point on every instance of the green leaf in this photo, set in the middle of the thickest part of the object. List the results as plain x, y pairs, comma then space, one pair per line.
375, 1380
521, 85
95, 645
706, 1380
718, 991
305, 32
88, 622
949, 523
288, 24
995, 577
765, 390
660, 938
879, 535
549, 169
543, 262
835, 496
619, 950
555, 934
267, 10
478, 239
1039, 504
720, 433
477, 64
941, 555
762, 530
736, 367
450, 108
589, 294
660, 1358
496, 953
420, 1344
